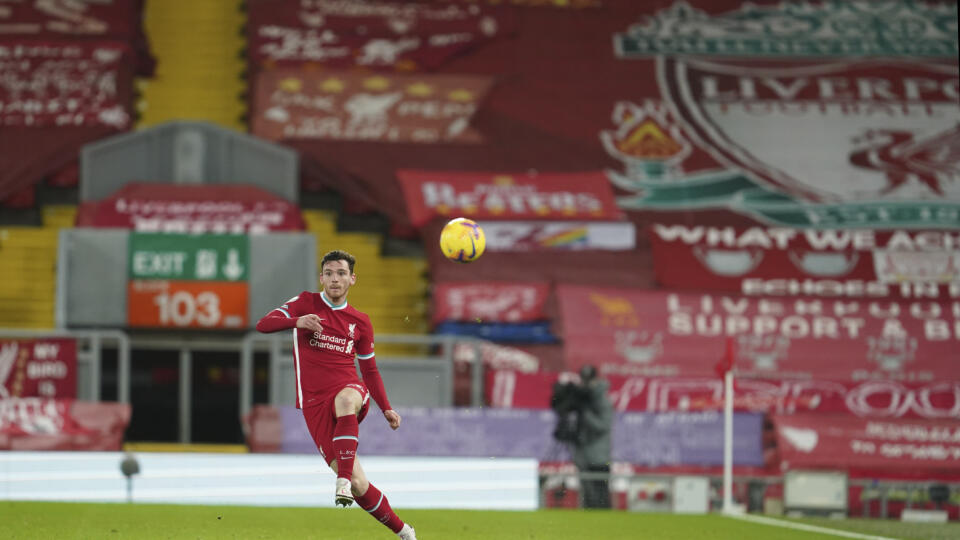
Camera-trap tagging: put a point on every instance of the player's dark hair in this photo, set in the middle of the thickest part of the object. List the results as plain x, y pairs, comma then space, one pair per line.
338, 255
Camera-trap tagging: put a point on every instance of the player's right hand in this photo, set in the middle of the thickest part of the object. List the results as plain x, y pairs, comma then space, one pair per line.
310, 322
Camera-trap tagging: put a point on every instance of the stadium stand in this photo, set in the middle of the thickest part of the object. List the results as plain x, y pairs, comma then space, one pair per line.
199, 48
667, 210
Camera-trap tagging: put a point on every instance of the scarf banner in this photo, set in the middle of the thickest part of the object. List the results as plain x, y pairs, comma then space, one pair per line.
489, 302
65, 84
195, 209
62, 424
657, 333
572, 196
824, 441
870, 399
400, 36
347, 105
797, 262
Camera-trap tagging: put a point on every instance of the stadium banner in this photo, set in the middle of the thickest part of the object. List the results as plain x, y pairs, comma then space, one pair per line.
396, 35
489, 301
100, 20
936, 267
517, 236
494, 356
62, 424
832, 263
778, 121
44, 367
353, 105
65, 84
673, 334
498, 196
507, 388
649, 439
181, 280
814, 441
194, 209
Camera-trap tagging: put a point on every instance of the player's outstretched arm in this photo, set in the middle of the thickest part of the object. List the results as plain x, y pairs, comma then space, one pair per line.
275, 321
288, 316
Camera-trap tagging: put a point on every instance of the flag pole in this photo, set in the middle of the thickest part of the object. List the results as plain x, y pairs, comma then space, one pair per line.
728, 506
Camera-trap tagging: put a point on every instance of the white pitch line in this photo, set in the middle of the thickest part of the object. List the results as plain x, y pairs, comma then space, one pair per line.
809, 528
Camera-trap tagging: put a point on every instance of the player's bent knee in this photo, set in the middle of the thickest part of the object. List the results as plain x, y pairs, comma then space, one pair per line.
348, 401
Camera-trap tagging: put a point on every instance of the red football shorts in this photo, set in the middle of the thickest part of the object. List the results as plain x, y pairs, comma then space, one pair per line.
322, 419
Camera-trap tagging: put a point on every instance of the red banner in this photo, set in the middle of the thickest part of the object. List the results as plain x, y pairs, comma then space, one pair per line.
495, 357
870, 399
38, 367
814, 441
489, 302
654, 333
65, 84
832, 263
575, 196
114, 20
192, 209
395, 35
347, 105
62, 424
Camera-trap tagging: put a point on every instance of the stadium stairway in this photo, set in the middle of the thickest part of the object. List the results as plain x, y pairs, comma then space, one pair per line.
28, 270
392, 290
199, 48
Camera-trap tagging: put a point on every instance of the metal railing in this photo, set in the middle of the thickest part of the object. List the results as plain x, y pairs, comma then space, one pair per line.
279, 347
91, 344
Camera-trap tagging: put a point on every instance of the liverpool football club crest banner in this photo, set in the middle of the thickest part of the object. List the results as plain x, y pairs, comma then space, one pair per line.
827, 114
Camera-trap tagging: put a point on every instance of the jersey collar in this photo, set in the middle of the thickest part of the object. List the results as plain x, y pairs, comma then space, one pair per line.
323, 296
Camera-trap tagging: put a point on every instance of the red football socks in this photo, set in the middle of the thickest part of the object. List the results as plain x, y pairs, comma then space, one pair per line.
376, 504
345, 444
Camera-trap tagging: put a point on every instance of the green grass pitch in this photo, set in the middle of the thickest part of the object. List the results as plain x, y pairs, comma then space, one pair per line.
30, 520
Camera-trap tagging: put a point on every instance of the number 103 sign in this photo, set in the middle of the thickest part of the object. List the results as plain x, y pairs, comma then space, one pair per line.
183, 304
187, 280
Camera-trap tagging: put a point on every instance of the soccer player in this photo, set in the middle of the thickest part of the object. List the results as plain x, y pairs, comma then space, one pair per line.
327, 332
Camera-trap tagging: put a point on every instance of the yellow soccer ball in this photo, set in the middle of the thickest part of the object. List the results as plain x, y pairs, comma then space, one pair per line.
462, 240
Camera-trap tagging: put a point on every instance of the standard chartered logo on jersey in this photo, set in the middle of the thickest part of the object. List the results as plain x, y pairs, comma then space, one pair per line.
333, 343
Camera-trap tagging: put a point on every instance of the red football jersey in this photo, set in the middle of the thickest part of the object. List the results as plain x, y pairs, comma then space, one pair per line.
323, 361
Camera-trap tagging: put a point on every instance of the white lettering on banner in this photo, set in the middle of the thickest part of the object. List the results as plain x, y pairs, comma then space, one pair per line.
820, 240
918, 452
848, 288
46, 370
500, 199
715, 316
883, 399
832, 88
862, 447
34, 416
45, 351
914, 432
